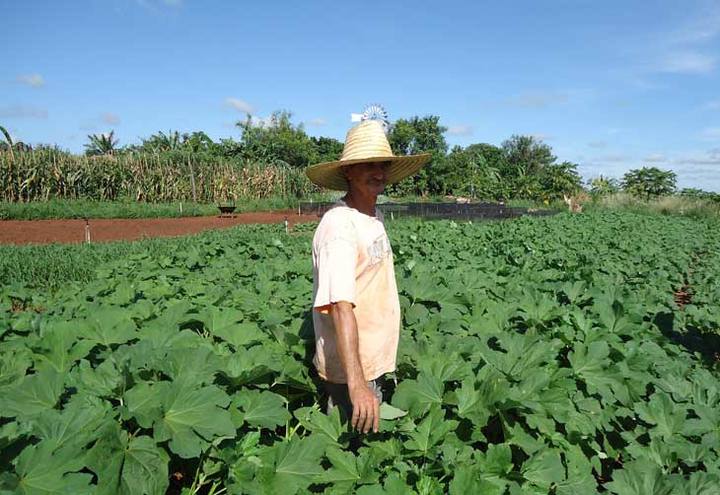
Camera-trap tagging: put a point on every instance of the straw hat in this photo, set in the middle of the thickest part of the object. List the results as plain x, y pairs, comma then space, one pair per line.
366, 142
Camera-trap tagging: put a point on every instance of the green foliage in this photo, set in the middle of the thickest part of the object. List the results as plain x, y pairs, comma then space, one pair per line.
278, 140
603, 186
542, 355
525, 155
649, 182
419, 135
101, 144
694, 193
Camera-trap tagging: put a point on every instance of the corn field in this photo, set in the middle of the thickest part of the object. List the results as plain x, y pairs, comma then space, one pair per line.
47, 174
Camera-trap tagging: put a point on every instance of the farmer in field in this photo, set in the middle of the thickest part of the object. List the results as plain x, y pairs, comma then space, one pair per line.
356, 309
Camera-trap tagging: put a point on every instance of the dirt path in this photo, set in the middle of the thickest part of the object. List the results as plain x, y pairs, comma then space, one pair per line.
102, 230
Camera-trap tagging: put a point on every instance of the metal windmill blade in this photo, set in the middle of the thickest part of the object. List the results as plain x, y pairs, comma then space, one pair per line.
373, 111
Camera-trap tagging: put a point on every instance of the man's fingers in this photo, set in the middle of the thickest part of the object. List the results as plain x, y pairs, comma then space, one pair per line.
368, 418
355, 416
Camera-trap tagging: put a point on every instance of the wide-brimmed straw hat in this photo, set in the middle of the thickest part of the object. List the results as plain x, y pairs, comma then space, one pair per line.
365, 143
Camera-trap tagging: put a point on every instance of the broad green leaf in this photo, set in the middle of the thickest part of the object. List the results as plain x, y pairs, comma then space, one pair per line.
580, 479
82, 420
388, 412
129, 466
263, 409
107, 326
639, 478
544, 469
430, 431
318, 422
192, 417
42, 469
225, 324
661, 411
32, 395
418, 395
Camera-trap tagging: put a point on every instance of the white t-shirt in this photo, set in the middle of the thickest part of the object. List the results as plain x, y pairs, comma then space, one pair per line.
353, 262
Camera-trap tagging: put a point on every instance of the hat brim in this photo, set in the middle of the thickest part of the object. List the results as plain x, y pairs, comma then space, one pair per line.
331, 176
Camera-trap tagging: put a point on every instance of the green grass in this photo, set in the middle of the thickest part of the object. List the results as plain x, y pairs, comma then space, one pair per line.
665, 205
64, 209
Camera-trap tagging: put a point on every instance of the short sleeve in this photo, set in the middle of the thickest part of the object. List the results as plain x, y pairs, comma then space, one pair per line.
335, 264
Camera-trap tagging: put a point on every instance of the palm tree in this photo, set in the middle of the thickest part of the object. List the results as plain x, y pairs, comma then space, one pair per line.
101, 144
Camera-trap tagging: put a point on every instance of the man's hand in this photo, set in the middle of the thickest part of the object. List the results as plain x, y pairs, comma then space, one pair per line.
366, 408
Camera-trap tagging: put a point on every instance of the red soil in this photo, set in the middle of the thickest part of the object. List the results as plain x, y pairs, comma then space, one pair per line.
102, 230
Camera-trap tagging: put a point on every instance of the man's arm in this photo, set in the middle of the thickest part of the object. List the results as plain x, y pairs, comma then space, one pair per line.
366, 407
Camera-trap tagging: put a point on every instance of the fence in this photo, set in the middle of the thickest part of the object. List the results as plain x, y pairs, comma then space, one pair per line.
452, 211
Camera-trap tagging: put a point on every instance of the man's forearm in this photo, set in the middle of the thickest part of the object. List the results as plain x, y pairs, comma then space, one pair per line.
347, 342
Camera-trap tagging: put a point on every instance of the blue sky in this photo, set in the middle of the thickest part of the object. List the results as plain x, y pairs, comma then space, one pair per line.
610, 85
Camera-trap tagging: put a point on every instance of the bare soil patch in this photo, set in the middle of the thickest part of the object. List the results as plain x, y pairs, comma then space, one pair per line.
131, 229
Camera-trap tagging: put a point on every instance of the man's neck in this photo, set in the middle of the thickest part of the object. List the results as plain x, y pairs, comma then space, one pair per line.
363, 204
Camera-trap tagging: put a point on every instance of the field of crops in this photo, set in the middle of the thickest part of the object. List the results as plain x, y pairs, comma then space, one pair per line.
567, 355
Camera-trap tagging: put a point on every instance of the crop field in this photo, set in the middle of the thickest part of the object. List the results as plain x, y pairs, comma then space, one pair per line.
568, 355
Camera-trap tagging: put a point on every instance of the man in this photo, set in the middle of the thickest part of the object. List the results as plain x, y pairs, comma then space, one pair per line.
356, 310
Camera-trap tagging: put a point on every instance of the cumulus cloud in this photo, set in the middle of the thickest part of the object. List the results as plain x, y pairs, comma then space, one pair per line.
34, 80
23, 112
110, 118
655, 158
318, 121
239, 105
460, 130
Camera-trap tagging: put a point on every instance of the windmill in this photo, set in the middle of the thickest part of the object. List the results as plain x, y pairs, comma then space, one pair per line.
373, 111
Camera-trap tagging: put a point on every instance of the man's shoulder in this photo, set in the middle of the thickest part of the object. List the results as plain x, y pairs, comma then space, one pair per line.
337, 222
337, 216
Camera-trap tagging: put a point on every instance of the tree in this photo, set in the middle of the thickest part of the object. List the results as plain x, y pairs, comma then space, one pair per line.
101, 144
558, 179
603, 186
160, 142
327, 149
466, 172
649, 182
420, 135
276, 139
526, 155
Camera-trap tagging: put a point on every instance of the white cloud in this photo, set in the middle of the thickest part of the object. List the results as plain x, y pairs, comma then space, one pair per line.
110, 118
34, 80
318, 121
710, 134
239, 105
711, 157
687, 62
655, 158
23, 112
597, 144
460, 130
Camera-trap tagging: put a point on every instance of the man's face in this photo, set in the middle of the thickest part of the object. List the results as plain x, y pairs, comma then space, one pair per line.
368, 178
